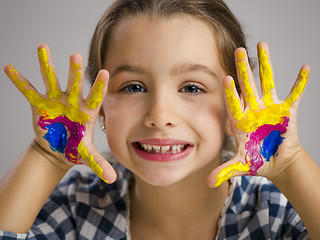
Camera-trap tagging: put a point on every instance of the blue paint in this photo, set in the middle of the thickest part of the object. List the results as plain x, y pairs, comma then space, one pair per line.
271, 144
57, 136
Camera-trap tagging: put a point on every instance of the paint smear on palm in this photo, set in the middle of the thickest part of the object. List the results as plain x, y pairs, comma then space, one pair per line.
265, 124
64, 122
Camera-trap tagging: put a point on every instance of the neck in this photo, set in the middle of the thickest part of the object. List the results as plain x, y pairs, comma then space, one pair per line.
187, 204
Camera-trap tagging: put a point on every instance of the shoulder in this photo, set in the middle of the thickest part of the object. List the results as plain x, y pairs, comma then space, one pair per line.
257, 209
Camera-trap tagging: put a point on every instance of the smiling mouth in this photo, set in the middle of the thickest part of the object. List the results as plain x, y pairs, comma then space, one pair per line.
165, 149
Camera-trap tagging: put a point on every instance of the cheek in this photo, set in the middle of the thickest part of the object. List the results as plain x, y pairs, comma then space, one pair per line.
117, 132
115, 122
209, 122
117, 113
210, 126
121, 119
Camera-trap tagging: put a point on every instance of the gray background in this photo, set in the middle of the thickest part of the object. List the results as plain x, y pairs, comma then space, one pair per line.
291, 27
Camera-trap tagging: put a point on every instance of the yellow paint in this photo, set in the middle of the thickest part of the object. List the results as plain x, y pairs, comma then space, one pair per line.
96, 97
226, 173
21, 85
31, 94
52, 107
53, 91
233, 102
73, 97
271, 113
248, 95
256, 117
266, 77
296, 91
89, 158
73, 158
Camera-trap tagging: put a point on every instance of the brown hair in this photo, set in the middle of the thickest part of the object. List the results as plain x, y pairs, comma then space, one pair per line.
215, 13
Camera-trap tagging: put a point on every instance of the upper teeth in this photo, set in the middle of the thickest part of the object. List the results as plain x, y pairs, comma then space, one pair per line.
163, 149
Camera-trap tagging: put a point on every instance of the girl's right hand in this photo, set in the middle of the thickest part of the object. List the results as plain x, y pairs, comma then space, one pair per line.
64, 121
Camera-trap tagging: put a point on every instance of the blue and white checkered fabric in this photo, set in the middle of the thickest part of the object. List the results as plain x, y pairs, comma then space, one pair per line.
84, 207
256, 209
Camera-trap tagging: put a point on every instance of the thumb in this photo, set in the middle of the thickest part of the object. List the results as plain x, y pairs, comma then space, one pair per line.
232, 168
97, 163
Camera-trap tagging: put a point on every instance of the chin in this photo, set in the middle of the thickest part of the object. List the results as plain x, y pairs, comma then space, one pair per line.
165, 176
160, 180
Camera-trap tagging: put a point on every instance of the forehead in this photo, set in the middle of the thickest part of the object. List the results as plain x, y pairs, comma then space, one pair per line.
158, 20
158, 40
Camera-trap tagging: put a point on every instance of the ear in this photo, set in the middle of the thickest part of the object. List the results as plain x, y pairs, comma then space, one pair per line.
228, 130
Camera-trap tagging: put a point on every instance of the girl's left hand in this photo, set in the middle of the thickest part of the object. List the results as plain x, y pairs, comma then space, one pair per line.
265, 129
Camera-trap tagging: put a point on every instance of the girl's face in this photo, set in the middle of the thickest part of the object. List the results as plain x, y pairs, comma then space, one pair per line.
164, 110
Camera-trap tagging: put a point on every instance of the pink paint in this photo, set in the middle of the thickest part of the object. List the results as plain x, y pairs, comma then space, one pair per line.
76, 133
254, 144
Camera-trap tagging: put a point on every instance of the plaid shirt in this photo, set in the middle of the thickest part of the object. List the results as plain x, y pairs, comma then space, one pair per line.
84, 207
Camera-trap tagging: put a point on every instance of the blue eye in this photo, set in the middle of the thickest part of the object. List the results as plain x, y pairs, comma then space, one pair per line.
192, 88
133, 88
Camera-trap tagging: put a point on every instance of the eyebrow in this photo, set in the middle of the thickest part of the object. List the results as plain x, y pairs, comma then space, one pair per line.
128, 68
192, 67
179, 69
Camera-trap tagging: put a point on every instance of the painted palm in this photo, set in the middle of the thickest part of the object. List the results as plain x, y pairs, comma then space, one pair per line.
264, 121
62, 115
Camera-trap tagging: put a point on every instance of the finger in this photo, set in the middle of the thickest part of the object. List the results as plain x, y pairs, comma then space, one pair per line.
48, 72
75, 79
98, 90
97, 163
245, 77
224, 172
266, 76
298, 88
24, 86
234, 108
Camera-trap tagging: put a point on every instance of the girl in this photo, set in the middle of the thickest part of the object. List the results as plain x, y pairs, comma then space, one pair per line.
161, 104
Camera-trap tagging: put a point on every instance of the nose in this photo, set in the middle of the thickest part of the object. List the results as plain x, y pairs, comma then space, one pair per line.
161, 112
